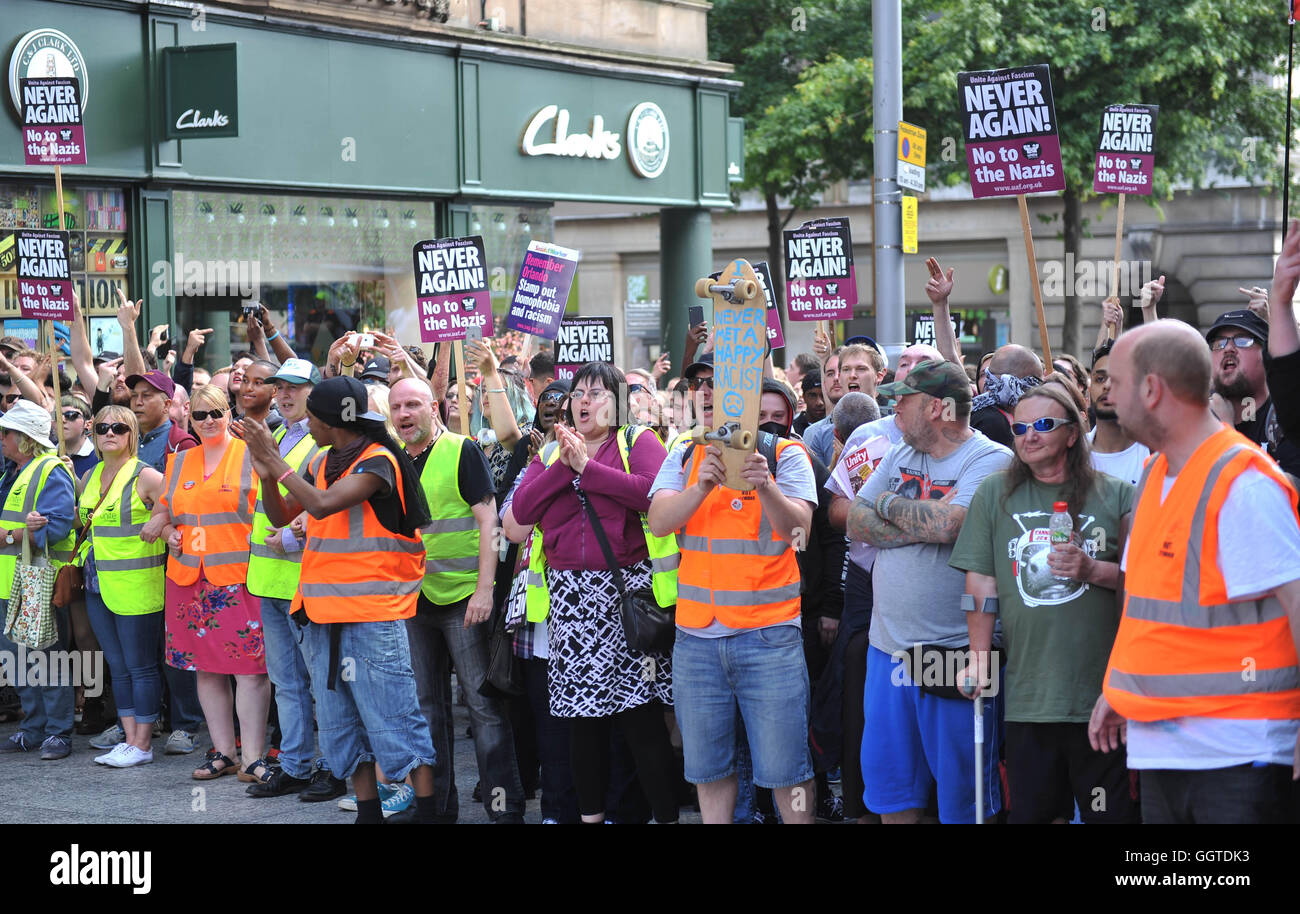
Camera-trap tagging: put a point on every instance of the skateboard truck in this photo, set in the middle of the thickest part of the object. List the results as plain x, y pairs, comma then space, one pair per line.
738, 290
729, 435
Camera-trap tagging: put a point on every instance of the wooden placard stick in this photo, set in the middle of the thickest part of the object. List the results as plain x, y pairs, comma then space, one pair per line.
47, 327
1033, 278
462, 394
1114, 273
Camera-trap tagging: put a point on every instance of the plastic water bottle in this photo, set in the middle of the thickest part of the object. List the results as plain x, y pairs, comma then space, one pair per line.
1060, 526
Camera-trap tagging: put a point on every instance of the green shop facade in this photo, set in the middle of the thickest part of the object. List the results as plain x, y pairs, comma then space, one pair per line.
298, 163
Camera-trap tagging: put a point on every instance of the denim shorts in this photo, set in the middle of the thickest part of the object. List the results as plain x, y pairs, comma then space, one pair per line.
762, 672
373, 714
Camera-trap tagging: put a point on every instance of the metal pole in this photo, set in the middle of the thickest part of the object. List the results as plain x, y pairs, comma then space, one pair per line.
887, 111
1286, 162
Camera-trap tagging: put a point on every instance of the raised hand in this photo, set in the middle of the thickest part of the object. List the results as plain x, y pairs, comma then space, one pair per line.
940, 285
127, 313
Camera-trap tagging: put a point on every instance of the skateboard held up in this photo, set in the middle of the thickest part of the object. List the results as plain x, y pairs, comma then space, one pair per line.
739, 334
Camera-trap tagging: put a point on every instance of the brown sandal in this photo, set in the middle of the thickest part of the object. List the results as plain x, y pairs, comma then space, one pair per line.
209, 771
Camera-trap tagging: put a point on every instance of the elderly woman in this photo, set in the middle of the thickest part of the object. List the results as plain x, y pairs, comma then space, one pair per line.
213, 624
39, 508
124, 578
595, 678
1058, 604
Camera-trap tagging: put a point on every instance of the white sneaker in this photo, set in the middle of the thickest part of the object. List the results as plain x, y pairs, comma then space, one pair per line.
111, 753
130, 757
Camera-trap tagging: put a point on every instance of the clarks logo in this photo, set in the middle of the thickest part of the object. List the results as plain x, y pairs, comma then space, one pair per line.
192, 118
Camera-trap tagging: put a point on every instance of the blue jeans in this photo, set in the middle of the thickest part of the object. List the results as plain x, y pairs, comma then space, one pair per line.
761, 671
130, 645
48, 710
440, 639
287, 668
183, 709
372, 714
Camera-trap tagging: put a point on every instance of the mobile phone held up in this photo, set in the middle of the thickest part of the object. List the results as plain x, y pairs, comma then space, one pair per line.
473, 332
365, 341
696, 315
251, 310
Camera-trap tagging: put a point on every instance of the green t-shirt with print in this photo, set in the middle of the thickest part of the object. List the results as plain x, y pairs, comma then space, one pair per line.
1057, 634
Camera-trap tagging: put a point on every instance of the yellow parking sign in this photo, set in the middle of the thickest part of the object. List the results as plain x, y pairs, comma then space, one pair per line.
911, 156
909, 225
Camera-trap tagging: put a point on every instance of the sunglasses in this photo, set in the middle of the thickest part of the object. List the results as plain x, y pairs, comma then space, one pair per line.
117, 428
72, 415
697, 383
10, 399
552, 398
1241, 342
203, 415
636, 388
1045, 424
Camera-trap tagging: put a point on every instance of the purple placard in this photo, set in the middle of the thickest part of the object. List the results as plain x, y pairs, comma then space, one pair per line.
1126, 150
582, 340
1009, 121
775, 334
820, 282
44, 281
451, 290
52, 130
545, 276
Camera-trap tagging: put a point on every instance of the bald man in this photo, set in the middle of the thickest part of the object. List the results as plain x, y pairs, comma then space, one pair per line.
1013, 369
1203, 672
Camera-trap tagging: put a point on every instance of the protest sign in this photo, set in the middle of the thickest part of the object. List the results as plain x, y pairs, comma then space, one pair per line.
856, 463
1126, 150
820, 281
44, 281
775, 333
911, 157
1009, 122
545, 276
582, 340
52, 130
451, 288
923, 327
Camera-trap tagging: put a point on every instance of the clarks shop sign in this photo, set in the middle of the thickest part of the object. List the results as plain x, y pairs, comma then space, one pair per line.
200, 91
551, 133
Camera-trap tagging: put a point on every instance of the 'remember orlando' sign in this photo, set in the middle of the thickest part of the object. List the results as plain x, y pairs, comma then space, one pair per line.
1126, 150
1009, 124
451, 288
820, 280
52, 130
545, 277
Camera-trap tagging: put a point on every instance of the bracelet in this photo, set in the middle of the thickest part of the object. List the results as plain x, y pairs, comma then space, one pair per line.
883, 502
344, 364
495, 390
283, 476
273, 337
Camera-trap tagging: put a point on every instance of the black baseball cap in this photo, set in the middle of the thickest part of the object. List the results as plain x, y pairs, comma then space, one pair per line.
704, 361
811, 381
938, 379
376, 369
1242, 319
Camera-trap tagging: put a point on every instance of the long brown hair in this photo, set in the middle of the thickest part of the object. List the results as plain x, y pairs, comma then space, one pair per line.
1079, 473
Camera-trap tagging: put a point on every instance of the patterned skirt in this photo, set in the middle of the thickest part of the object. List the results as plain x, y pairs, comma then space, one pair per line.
213, 628
593, 672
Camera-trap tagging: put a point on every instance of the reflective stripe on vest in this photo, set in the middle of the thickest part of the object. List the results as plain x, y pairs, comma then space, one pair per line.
272, 573
20, 502
131, 572
734, 568
451, 540
1175, 655
663, 550
381, 576
214, 541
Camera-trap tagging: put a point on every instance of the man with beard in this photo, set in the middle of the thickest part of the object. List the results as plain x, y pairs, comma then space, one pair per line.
1113, 451
1237, 340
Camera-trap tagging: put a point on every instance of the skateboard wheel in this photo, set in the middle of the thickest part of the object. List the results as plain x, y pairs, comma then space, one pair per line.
747, 289
702, 287
744, 440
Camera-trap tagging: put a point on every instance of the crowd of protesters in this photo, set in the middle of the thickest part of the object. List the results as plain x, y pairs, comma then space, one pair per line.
296, 558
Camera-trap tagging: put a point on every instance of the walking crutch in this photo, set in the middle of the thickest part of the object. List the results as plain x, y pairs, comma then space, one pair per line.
968, 605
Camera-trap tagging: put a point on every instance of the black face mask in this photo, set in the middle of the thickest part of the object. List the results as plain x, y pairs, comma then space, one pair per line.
775, 428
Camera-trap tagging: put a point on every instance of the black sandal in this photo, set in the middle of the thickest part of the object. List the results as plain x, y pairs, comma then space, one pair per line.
209, 771
250, 776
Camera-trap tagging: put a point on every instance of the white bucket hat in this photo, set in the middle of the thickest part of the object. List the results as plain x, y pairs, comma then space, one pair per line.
26, 417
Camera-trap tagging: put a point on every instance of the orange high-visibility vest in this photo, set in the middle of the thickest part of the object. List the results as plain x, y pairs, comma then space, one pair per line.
354, 569
734, 568
1182, 649
214, 515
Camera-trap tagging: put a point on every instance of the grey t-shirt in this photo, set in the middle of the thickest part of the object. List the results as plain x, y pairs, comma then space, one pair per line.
917, 594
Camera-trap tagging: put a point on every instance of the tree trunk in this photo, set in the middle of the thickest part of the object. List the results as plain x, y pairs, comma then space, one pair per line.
1071, 329
775, 262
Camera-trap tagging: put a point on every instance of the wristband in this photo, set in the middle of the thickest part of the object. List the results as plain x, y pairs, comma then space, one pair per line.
883, 501
347, 364
273, 336
495, 390
283, 476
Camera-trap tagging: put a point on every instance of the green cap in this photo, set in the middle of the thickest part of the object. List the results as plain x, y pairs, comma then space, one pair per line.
938, 379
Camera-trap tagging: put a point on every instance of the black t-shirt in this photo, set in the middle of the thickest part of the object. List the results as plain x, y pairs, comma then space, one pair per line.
473, 476
1285, 452
994, 425
387, 502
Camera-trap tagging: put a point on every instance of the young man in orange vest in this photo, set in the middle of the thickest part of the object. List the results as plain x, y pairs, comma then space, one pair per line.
362, 567
1204, 674
739, 640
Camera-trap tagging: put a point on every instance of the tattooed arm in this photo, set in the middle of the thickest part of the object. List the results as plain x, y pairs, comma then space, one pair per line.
926, 521
866, 526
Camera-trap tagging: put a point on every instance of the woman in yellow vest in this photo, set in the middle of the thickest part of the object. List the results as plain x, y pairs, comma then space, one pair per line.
214, 626
39, 505
124, 578
595, 677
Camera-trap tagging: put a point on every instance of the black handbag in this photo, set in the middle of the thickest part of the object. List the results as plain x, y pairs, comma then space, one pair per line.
505, 674
648, 627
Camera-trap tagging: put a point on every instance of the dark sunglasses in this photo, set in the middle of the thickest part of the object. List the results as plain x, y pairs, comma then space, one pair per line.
553, 398
117, 428
202, 415
636, 388
697, 383
11, 398
1241, 342
1045, 424
72, 415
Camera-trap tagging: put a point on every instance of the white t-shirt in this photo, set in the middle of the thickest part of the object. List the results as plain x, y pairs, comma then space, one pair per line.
1259, 551
1126, 464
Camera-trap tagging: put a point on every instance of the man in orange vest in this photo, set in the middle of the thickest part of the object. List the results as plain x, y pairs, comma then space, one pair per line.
739, 640
1204, 675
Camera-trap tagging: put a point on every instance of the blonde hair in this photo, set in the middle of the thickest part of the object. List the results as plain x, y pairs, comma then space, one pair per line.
114, 413
209, 396
379, 403
31, 447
